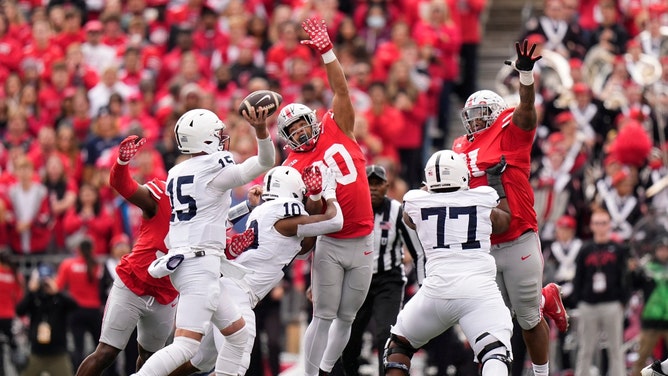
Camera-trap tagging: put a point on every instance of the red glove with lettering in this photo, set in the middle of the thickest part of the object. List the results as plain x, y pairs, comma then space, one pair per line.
128, 148
317, 31
312, 178
239, 243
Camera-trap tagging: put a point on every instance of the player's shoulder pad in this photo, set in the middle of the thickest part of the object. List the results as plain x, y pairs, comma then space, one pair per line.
414, 194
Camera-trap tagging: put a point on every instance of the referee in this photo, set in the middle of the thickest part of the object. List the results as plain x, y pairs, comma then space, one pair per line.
386, 293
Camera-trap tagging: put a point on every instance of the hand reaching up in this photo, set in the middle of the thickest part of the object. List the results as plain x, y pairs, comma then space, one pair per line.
317, 31
128, 148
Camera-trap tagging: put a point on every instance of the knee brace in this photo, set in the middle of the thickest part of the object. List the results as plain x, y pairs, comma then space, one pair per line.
400, 347
231, 355
494, 349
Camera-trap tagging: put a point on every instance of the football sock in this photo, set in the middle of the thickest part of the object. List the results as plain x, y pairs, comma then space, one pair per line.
339, 333
315, 341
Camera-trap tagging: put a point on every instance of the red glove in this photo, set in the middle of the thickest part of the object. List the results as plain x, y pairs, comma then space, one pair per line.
128, 148
239, 243
312, 177
317, 31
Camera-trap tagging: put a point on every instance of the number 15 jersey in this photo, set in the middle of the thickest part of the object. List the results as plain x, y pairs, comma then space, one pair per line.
199, 211
454, 229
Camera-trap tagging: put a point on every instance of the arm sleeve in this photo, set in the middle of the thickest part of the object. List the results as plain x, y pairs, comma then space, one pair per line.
410, 239
237, 212
121, 181
251, 168
323, 227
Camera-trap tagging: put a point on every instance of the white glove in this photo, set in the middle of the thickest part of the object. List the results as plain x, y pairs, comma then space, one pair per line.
328, 183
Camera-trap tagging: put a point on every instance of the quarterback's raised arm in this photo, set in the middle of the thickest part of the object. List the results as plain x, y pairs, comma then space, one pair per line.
251, 168
342, 105
525, 115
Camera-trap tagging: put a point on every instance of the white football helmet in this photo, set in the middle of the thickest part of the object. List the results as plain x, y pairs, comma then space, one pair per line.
446, 169
298, 139
283, 182
484, 105
200, 130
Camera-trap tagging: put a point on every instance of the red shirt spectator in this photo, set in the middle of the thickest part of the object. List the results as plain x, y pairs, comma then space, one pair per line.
137, 119
285, 49
67, 145
10, 47
11, 290
441, 32
42, 149
208, 37
62, 195
41, 47
113, 35
91, 218
390, 51
469, 20
80, 276
71, 32
385, 120
53, 90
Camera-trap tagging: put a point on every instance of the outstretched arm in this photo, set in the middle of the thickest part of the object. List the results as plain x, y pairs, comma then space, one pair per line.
122, 182
319, 224
525, 116
342, 105
251, 168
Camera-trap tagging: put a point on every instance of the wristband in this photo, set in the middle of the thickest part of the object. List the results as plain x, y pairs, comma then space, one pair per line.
120, 162
328, 57
329, 193
526, 78
315, 197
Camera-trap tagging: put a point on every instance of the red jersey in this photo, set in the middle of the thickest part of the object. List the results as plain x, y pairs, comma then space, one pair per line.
73, 276
343, 155
133, 268
11, 292
504, 138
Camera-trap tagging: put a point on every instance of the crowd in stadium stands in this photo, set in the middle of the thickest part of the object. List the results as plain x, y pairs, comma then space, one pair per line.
79, 76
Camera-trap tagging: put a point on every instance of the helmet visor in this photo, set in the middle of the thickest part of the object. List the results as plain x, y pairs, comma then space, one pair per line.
476, 118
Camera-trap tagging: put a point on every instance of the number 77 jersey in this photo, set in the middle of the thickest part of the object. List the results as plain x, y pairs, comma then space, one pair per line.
454, 229
452, 222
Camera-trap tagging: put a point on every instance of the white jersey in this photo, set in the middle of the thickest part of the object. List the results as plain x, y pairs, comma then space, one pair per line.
454, 229
271, 251
199, 211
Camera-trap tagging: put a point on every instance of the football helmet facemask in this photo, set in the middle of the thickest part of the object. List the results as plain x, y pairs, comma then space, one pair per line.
200, 130
446, 169
484, 105
283, 182
298, 139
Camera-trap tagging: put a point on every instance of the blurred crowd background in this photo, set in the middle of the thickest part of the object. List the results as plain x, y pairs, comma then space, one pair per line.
79, 76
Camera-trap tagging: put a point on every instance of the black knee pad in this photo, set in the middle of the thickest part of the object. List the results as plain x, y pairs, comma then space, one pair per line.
502, 358
401, 347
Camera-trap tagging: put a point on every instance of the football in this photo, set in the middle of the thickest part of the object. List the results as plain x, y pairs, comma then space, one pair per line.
261, 99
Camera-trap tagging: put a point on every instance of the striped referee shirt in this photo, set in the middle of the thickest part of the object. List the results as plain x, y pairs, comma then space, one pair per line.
390, 235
